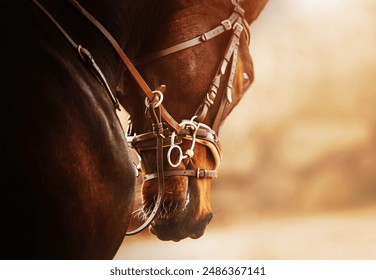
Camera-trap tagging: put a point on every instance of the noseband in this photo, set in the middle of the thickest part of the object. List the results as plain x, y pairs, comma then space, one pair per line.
167, 132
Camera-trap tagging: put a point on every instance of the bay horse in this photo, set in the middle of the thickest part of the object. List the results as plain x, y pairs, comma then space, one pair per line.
67, 174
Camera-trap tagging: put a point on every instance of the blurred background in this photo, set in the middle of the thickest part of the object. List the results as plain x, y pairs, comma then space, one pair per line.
298, 176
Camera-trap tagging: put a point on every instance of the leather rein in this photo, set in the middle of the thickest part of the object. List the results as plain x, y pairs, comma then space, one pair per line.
161, 136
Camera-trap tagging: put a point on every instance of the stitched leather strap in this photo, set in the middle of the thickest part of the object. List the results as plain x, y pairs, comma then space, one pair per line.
225, 25
197, 173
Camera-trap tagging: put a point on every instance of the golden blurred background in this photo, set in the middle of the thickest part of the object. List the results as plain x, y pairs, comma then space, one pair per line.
298, 178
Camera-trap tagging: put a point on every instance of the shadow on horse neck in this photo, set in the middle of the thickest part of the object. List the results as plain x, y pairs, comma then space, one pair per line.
68, 179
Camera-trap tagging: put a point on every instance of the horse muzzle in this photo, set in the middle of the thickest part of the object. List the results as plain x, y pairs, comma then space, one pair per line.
167, 231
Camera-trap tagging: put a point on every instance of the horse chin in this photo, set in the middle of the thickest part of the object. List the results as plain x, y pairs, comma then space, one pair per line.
177, 227
176, 218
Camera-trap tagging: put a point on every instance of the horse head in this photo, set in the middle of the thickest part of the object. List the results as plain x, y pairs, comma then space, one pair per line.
206, 66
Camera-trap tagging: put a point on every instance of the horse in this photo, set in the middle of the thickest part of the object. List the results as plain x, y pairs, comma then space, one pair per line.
202, 51
68, 177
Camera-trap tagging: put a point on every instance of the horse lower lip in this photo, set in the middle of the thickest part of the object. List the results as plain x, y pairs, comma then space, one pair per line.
162, 235
195, 236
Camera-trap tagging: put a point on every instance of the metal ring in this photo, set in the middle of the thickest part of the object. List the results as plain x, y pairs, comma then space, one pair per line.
181, 156
158, 95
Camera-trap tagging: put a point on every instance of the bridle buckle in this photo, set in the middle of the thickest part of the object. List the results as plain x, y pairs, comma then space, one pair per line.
226, 24
238, 25
198, 173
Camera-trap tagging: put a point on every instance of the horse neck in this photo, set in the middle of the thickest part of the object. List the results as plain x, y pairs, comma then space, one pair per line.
130, 22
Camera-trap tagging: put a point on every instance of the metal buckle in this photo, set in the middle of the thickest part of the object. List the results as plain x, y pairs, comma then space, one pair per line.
198, 173
226, 24
236, 25
203, 37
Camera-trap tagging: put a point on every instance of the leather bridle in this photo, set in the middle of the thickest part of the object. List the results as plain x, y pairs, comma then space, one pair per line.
194, 129
167, 132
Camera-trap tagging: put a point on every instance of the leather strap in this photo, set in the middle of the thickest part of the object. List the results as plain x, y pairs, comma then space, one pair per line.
225, 26
197, 173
